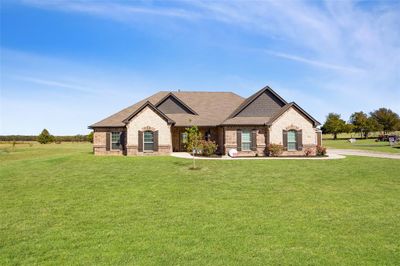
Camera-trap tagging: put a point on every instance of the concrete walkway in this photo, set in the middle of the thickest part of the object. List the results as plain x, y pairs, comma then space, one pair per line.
364, 153
186, 155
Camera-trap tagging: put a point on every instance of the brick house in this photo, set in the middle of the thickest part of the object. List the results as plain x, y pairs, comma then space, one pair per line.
156, 125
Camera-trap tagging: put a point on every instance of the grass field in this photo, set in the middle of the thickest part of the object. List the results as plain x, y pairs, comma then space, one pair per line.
362, 144
357, 135
59, 204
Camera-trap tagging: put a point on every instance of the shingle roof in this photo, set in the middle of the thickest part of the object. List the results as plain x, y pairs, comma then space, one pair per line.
250, 99
212, 108
208, 108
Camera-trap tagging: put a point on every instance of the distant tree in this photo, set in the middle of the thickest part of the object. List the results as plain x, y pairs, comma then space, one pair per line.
372, 126
359, 120
348, 128
90, 137
386, 118
334, 125
45, 137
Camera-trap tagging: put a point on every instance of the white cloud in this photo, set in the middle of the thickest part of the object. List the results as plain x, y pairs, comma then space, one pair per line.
315, 62
53, 83
353, 50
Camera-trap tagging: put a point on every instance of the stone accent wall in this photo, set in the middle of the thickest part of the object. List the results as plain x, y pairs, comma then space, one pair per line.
301, 153
292, 119
162, 150
99, 141
148, 119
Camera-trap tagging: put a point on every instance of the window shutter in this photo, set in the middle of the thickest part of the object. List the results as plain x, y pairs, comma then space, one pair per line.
108, 141
239, 140
299, 140
140, 141
254, 140
284, 139
267, 136
122, 140
155, 135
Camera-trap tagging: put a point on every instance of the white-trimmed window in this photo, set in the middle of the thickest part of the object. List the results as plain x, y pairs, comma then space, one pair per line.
291, 140
115, 140
148, 141
246, 140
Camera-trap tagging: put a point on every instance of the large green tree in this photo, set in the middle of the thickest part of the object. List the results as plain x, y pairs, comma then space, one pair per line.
334, 125
45, 137
363, 124
359, 121
386, 118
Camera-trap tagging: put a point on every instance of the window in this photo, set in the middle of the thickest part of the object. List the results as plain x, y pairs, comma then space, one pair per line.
291, 140
184, 137
148, 141
246, 140
115, 140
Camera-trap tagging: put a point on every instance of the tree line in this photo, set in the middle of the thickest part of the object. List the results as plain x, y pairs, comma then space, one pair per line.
46, 137
383, 120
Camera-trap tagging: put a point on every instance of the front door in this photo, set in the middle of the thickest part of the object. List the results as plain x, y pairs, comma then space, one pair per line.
182, 141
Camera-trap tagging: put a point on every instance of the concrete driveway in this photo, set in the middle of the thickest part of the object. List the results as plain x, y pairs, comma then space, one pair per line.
364, 153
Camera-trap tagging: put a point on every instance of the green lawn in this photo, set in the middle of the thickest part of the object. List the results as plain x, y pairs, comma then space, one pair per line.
59, 204
362, 144
357, 135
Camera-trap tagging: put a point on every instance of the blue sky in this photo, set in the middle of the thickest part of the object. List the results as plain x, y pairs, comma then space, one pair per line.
68, 64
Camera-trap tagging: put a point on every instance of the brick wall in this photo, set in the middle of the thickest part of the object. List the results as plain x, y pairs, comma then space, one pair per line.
292, 119
231, 140
147, 119
99, 141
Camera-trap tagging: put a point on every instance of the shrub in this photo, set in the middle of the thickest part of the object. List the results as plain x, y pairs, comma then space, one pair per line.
321, 150
45, 137
209, 147
308, 152
90, 137
274, 150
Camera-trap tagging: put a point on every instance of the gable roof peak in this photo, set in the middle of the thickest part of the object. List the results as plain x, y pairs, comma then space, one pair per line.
151, 106
253, 97
171, 94
287, 107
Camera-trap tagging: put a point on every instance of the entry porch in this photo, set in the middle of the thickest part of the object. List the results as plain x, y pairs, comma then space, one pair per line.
179, 137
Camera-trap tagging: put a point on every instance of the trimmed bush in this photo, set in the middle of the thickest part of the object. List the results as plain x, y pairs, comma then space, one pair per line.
209, 147
308, 152
321, 150
274, 150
